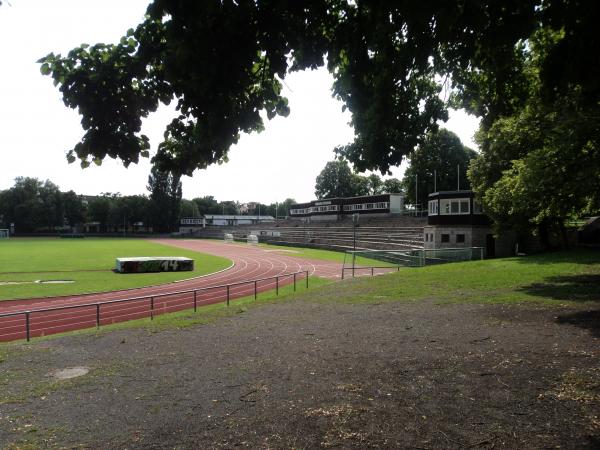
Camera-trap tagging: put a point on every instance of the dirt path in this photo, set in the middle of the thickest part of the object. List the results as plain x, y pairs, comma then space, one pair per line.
304, 374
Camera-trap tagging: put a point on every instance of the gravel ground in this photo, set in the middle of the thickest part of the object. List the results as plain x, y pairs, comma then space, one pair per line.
309, 374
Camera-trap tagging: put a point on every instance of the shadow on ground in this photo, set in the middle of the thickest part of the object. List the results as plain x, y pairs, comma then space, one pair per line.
576, 288
582, 256
589, 320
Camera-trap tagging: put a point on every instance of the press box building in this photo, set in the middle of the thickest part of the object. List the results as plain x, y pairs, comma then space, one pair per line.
455, 219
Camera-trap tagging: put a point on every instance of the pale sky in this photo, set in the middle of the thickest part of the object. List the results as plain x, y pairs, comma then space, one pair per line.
36, 129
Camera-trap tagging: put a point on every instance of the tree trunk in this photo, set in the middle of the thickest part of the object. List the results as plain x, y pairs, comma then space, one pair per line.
563, 236
543, 233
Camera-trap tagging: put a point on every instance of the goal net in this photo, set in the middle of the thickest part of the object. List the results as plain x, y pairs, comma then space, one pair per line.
228, 237
252, 239
4, 233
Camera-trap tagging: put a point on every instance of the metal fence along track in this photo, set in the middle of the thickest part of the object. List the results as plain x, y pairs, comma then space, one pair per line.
41, 322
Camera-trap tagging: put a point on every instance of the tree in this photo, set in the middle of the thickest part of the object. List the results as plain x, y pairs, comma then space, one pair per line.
99, 210
189, 208
165, 196
207, 205
32, 204
75, 209
389, 61
335, 180
229, 207
392, 185
441, 156
539, 163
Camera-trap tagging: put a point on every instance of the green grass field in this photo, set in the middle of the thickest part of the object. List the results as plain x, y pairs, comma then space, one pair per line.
571, 277
88, 262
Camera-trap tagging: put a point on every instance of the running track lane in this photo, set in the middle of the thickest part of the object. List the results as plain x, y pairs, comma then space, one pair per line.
249, 263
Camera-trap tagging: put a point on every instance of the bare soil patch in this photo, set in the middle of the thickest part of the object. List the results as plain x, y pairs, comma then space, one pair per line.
302, 374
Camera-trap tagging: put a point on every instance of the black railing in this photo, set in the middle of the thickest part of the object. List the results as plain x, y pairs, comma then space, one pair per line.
150, 300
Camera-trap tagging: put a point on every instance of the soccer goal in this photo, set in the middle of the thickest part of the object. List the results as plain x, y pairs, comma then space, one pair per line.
4, 233
228, 237
252, 239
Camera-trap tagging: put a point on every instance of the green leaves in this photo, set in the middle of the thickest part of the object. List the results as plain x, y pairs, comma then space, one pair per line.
223, 61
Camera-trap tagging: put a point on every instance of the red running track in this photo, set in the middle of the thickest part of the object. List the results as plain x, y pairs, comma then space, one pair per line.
249, 263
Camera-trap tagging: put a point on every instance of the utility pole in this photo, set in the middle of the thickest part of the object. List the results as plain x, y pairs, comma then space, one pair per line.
416, 192
434, 180
458, 177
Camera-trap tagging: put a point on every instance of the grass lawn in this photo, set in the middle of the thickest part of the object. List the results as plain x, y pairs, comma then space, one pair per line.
570, 277
88, 262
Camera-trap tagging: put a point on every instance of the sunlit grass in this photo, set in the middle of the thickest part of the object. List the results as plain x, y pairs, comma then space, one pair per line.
89, 263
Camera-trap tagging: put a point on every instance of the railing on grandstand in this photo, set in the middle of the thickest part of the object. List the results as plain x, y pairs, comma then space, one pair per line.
361, 260
226, 295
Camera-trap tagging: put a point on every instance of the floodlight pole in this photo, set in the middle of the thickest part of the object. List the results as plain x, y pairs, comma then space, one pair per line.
416, 192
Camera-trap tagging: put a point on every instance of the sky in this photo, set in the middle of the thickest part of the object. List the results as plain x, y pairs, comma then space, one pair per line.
37, 129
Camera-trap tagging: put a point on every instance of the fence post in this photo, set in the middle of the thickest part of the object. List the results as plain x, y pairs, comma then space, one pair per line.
227, 295
342, 273
97, 315
277, 285
151, 308
255, 288
294, 282
372, 271
27, 324
307, 279
195, 303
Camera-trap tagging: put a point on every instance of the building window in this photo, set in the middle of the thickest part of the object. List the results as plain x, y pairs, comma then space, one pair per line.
477, 207
445, 206
464, 206
454, 206
460, 238
433, 207
445, 238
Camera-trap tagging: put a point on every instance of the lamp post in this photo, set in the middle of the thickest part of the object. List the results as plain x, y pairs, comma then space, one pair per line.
416, 193
355, 218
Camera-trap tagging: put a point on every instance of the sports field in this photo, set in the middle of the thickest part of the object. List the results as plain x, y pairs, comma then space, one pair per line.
27, 265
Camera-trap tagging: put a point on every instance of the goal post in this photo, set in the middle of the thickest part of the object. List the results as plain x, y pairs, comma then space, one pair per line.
4, 233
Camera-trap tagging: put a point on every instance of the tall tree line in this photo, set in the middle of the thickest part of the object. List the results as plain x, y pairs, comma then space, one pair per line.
33, 205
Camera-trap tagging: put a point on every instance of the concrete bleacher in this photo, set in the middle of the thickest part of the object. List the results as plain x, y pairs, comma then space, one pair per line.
389, 233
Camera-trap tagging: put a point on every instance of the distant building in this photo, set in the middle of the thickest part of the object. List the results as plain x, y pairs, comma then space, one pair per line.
190, 224
336, 208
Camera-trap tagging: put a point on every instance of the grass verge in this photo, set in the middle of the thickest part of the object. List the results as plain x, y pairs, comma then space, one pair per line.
554, 278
